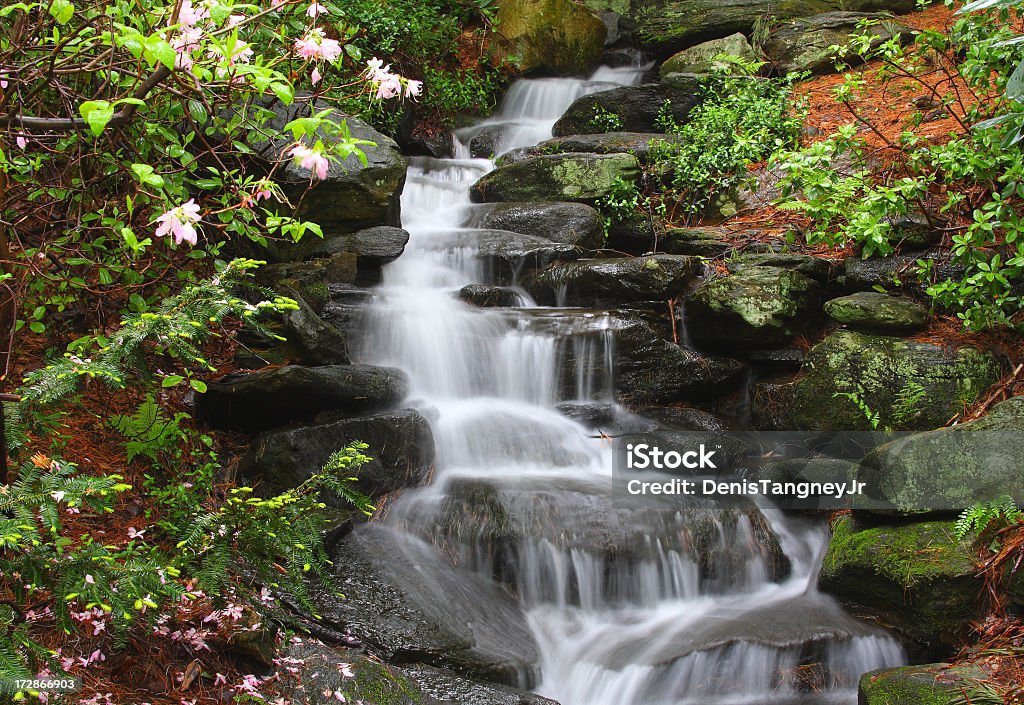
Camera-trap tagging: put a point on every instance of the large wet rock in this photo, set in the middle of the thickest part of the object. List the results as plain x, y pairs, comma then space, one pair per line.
321, 674
554, 36
949, 469
568, 223
915, 578
755, 307
255, 402
874, 311
639, 144
637, 107
702, 58
310, 280
401, 445
929, 684
353, 196
667, 26
652, 370
373, 247
577, 177
320, 343
405, 602
909, 385
818, 269
707, 241
806, 44
611, 282
897, 272
449, 687
505, 254
487, 296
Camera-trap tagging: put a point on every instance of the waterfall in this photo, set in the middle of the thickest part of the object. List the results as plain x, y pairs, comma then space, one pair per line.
629, 605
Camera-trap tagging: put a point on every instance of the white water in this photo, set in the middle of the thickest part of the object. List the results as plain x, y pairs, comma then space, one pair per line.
628, 605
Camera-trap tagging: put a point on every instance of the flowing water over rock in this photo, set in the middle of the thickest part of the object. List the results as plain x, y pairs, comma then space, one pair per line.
626, 604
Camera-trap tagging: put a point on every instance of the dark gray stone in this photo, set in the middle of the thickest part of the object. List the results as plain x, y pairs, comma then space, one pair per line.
255, 402
637, 107
401, 445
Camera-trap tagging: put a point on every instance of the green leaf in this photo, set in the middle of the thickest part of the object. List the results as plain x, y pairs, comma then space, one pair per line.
197, 385
62, 11
1015, 85
147, 175
171, 380
37, 327
157, 49
283, 91
97, 114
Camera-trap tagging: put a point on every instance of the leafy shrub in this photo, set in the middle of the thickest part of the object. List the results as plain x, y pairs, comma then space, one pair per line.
741, 120
972, 181
984, 516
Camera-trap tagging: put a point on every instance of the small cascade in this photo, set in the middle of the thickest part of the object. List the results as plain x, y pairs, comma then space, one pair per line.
630, 604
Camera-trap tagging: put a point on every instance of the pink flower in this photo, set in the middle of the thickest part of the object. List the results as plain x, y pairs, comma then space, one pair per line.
390, 87
189, 15
315, 9
310, 159
3, 83
315, 76
134, 533
89, 579
346, 670
184, 42
57, 496
179, 222
315, 45
413, 88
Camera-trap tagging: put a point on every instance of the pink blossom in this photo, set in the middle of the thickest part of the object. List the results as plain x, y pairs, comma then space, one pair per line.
3, 83
189, 15
315, 45
315, 76
57, 496
413, 88
346, 670
315, 9
21, 141
89, 579
179, 222
221, 679
234, 20
310, 159
134, 533
184, 42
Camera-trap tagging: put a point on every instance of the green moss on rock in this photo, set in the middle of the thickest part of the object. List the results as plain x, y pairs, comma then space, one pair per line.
917, 578
576, 177
549, 35
930, 684
910, 385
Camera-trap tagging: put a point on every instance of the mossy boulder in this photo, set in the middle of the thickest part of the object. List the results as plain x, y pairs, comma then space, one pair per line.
915, 578
702, 57
910, 385
756, 307
620, 280
665, 27
952, 468
805, 44
929, 684
872, 310
639, 144
636, 107
818, 269
576, 177
322, 672
554, 36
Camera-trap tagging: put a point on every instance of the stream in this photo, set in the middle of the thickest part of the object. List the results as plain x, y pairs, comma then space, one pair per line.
637, 604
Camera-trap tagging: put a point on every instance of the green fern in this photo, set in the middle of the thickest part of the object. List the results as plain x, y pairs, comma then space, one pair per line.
1001, 511
148, 432
176, 329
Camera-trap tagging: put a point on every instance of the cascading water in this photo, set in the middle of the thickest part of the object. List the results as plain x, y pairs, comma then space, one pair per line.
646, 604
